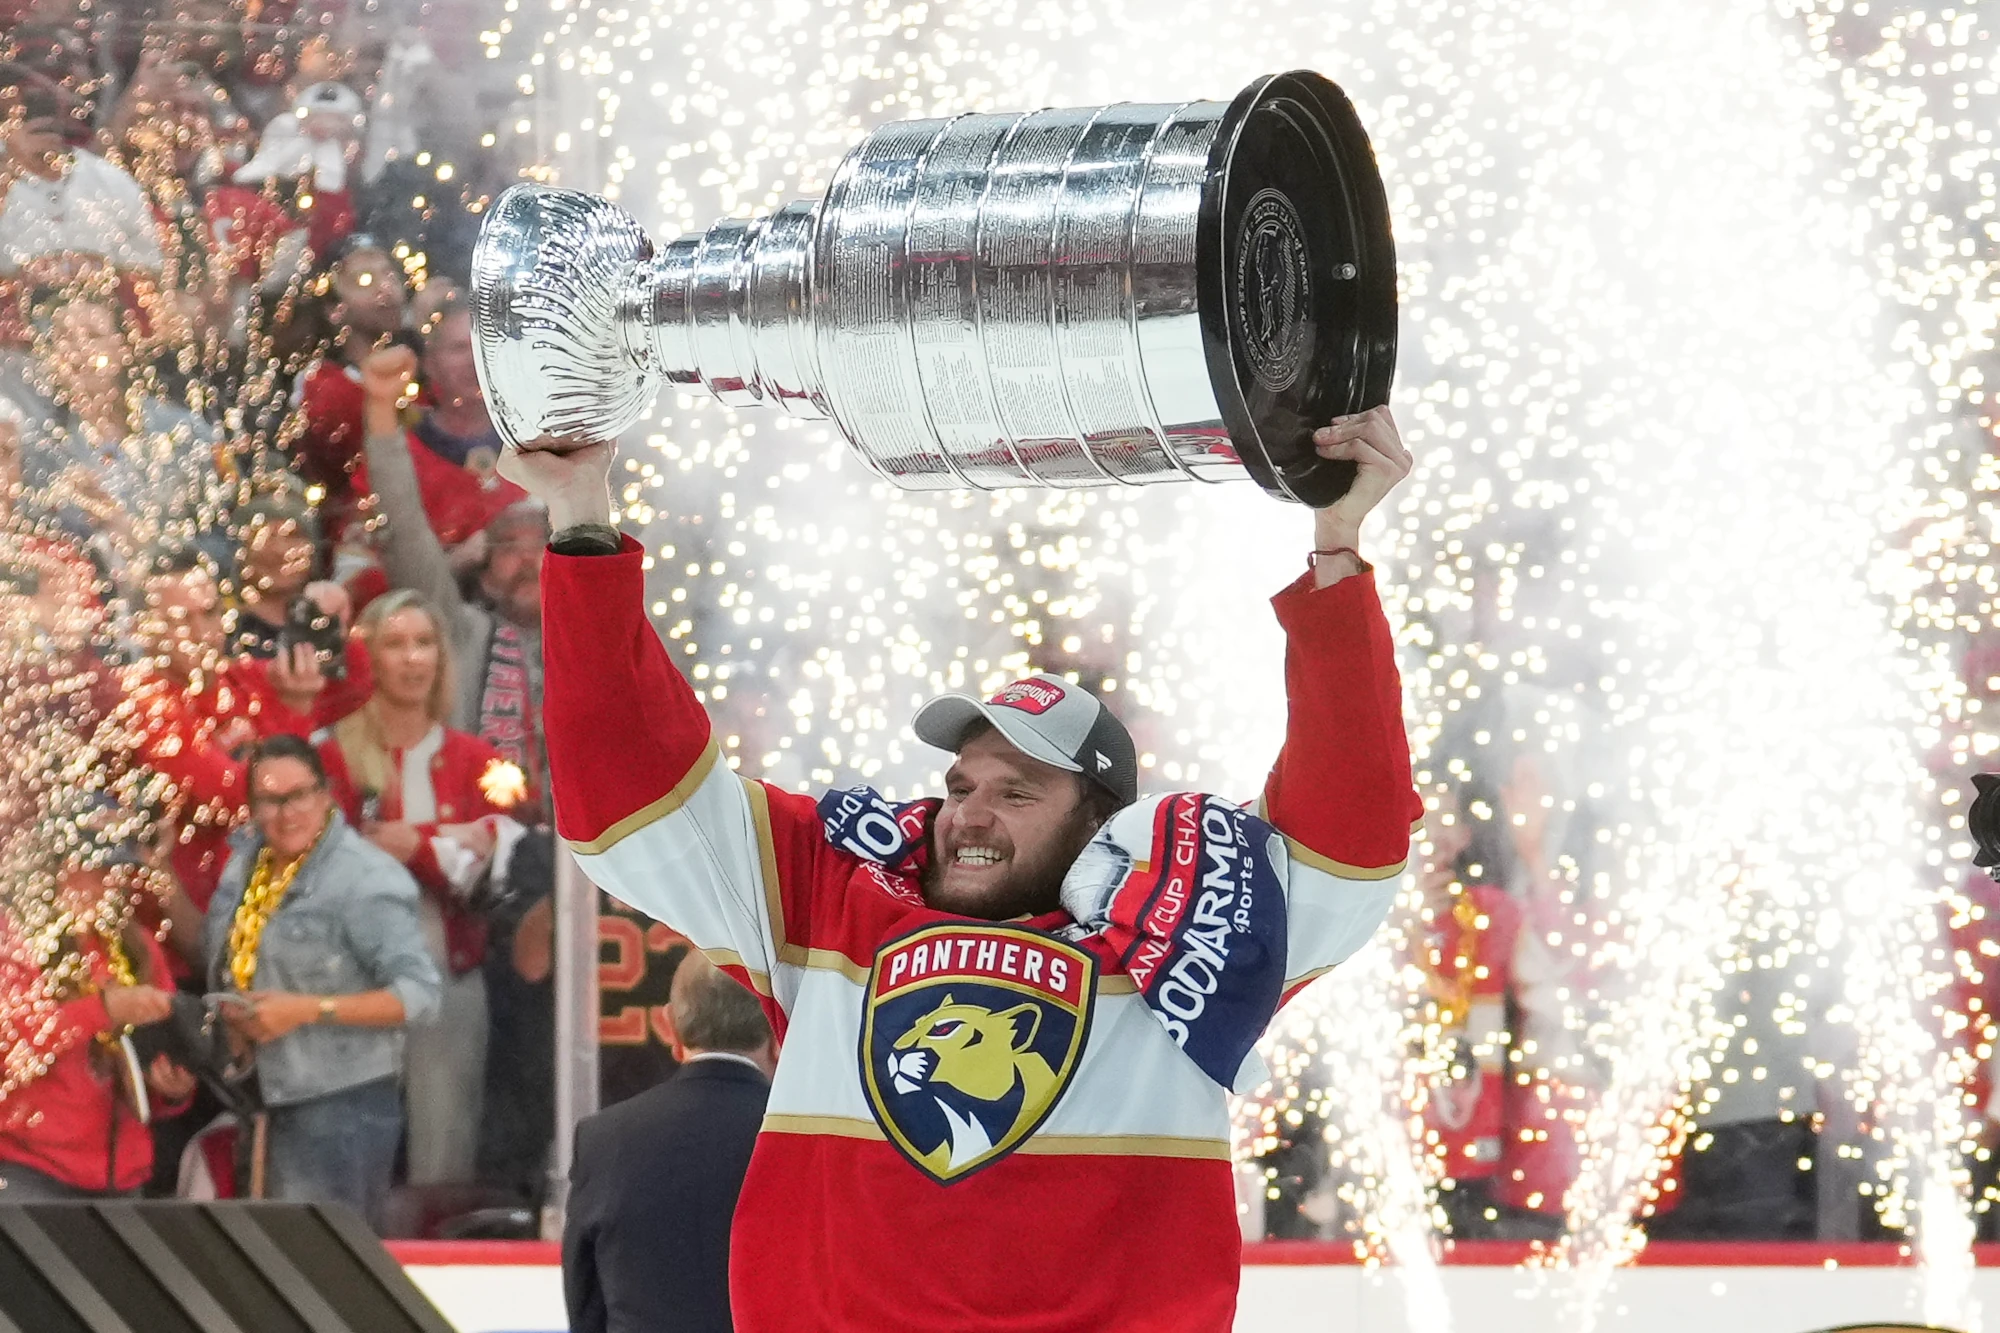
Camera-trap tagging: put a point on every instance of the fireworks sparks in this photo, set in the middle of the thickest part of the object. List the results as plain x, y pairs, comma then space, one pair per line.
1653, 262
1698, 333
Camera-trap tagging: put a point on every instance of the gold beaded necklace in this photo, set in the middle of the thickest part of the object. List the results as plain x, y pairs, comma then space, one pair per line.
260, 903
1451, 996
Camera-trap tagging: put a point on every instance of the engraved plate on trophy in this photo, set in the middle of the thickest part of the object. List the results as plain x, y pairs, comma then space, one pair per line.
1087, 297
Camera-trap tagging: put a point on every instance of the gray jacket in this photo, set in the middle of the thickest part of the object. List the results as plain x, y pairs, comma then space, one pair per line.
347, 925
413, 558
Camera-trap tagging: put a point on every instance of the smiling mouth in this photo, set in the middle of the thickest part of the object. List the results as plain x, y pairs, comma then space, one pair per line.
977, 856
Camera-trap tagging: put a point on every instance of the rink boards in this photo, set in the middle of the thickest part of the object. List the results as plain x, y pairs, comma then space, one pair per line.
516, 1287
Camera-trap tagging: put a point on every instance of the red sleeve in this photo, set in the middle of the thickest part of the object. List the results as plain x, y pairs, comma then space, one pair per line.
329, 444
268, 713
272, 716
624, 727
424, 868
646, 800
1341, 789
204, 775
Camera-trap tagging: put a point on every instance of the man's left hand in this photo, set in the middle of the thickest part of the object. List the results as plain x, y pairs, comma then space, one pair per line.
1372, 443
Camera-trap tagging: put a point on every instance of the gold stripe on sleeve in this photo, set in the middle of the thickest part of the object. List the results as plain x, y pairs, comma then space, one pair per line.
759, 981
1291, 983
659, 809
767, 866
1340, 869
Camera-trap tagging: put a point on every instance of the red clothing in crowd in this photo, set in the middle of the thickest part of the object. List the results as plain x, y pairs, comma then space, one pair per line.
178, 732
71, 1121
241, 228
1465, 1113
244, 228
458, 503
453, 774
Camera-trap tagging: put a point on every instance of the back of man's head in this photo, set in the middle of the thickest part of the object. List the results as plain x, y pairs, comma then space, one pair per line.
712, 1012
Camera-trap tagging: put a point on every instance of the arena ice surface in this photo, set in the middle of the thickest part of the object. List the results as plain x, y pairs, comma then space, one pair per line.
1800, 1296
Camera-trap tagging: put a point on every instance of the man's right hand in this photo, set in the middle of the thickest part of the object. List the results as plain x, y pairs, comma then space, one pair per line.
388, 381
575, 485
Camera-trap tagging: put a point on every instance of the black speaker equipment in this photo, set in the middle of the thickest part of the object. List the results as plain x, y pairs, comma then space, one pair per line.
118, 1266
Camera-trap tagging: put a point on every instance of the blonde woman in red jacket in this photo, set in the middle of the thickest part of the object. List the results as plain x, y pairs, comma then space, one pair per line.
419, 790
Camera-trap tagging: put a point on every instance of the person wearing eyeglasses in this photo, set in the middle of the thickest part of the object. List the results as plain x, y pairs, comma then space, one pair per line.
313, 933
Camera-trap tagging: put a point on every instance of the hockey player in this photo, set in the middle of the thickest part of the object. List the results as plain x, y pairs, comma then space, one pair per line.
1011, 1017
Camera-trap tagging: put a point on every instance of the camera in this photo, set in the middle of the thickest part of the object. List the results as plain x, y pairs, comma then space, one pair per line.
307, 623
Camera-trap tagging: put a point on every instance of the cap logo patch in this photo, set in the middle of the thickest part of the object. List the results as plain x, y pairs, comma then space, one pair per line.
1030, 696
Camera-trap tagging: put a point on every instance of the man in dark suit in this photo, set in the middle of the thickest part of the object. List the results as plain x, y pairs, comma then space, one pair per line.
654, 1179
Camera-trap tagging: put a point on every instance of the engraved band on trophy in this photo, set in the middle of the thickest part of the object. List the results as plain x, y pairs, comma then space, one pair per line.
1121, 294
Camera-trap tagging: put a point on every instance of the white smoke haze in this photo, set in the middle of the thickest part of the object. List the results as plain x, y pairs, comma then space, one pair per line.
1664, 344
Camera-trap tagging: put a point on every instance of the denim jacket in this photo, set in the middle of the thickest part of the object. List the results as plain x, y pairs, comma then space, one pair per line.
348, 924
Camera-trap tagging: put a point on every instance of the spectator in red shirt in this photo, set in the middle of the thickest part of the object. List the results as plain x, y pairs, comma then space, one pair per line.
222, 240
1465, 954
365, 305
456, 426
74, 1131
423, 792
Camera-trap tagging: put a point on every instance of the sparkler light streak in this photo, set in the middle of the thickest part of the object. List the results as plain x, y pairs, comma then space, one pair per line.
1656, 428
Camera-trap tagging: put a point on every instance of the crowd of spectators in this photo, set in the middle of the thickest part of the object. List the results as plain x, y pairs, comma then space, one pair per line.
272, 819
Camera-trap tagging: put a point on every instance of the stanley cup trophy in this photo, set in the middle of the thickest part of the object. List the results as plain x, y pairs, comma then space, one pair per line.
1122, 294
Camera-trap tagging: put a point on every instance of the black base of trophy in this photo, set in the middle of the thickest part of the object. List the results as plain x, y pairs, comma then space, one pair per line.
1297, 275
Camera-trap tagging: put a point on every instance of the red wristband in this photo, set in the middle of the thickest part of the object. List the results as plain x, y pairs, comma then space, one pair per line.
1360, 566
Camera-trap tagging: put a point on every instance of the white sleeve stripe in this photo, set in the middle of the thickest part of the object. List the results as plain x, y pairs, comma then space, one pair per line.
698, 868
1330, 917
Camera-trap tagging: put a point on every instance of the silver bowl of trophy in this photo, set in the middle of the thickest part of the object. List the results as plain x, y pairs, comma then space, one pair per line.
1114, 295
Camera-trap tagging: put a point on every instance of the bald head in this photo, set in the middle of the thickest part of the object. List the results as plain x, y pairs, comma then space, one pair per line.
714, 1013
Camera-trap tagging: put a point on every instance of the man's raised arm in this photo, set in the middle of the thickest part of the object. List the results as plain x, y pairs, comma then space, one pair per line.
642, 794
1341, 790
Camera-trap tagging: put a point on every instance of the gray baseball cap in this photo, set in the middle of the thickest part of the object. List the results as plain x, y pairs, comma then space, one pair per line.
1046, 718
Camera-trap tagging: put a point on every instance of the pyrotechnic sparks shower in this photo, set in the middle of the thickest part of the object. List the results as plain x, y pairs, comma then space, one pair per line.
1697, 314
1662, 436
1645, 371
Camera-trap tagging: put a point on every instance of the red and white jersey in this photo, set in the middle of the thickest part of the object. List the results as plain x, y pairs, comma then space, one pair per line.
975, 1125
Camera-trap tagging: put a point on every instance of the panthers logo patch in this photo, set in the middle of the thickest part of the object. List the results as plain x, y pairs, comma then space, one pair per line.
971, 1036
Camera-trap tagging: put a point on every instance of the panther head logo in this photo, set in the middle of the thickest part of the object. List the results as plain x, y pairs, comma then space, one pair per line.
984, 1056
973, 1032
